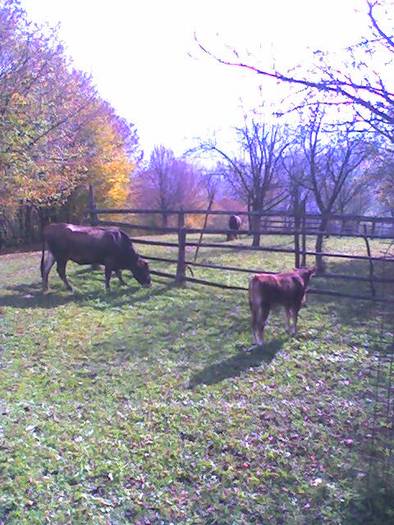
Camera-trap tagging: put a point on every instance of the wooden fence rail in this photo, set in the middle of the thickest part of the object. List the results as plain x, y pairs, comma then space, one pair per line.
221, 231
278, 213
298, 230
326, 275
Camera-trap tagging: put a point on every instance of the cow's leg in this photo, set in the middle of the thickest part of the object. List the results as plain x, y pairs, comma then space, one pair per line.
61, 270
119, 276
46, 265
108, 274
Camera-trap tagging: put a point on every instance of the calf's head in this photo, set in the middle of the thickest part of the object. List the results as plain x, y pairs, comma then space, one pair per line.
305, 274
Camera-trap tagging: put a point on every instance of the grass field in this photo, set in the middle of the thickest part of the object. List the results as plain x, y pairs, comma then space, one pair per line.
141, 406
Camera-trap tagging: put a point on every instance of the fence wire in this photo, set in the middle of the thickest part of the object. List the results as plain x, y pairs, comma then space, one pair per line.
379, 436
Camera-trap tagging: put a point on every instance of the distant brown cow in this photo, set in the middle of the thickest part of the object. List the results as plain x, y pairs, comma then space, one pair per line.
284, 289
234, 224
90, 245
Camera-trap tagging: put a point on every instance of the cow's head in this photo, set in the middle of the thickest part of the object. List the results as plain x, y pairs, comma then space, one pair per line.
140, 271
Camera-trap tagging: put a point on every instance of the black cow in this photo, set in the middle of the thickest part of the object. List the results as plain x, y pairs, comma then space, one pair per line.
234, 224
110, 247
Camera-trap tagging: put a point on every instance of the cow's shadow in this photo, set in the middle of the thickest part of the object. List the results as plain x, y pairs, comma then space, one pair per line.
31, 296
236, 364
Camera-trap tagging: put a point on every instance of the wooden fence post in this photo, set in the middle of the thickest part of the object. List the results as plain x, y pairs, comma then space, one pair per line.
181, 267
92, 207
303, 236
93, 218
296, 235
205, 224
371, 273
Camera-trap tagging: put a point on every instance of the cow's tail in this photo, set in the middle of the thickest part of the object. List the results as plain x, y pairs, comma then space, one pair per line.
42, 257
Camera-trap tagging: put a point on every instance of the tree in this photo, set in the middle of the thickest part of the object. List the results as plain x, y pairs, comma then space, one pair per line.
333, 159
381, 177
112, 148
56, 134
253, 172
167, 183
43, 104
358, 83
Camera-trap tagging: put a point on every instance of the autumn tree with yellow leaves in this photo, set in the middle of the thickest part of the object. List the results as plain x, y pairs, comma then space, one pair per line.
56, 133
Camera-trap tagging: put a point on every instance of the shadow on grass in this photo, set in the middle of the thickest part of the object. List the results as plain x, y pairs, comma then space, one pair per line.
31, 296
235, 365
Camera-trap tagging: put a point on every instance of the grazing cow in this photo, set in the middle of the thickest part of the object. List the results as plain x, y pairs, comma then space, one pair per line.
234, 224
90, 245
284, 289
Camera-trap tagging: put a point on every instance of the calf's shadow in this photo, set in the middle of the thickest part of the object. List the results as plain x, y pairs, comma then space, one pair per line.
236, 364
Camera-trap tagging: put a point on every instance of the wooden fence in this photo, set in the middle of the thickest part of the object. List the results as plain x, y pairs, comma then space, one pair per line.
271, 223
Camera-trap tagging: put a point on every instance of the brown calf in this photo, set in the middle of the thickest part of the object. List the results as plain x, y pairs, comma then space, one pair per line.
284, 289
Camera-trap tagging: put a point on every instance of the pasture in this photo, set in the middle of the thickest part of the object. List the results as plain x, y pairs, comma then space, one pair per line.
142, 406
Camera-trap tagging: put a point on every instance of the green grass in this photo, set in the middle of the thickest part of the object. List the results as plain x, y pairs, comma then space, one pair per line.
141, 406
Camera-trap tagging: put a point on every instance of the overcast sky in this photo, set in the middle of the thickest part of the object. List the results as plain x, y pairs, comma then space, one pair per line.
144, 60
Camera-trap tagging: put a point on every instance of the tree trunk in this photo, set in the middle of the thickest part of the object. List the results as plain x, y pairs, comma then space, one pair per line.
320, 264
21, 225
28, 225
249, 217
164, 220
255, 220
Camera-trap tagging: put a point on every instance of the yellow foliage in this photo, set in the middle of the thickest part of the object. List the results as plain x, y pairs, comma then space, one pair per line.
109, 167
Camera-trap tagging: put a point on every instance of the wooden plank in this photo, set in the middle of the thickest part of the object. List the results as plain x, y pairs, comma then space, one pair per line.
279, 213
286, 250
316, 291
311, 291
181, 268
344, 277
163, 274
142, 227
160, 259
154, 243
217, 231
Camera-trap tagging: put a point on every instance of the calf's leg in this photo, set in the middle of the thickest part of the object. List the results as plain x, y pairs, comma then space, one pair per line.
255, 310
288, 316
259, 318
294, 313
262, 316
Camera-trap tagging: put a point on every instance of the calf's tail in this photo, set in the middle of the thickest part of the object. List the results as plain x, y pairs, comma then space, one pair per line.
254, 298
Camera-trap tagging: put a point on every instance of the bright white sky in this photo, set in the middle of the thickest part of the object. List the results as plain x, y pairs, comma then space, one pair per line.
138, 52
